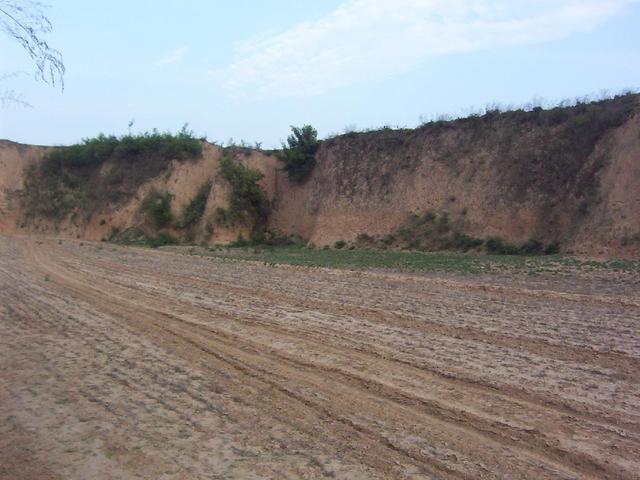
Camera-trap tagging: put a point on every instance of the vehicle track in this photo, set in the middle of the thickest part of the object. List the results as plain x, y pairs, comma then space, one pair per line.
203, 368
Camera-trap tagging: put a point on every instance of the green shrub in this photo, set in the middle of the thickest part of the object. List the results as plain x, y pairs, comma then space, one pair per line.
389, 239
532, 247
161, 240
240, 242
340, 244
131, 148
299, 153
552, 249
497, 246
195, 209
247, 201
428, 217
136, 236
443, 223
209, 228
404, 233
365, 238
157, 208
115, 232
221, 217
259, 236
461, 241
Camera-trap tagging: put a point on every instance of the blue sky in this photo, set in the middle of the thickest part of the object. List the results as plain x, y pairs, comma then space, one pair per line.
249, 69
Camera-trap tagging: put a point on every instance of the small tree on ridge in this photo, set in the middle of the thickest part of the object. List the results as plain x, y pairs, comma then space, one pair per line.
299, 153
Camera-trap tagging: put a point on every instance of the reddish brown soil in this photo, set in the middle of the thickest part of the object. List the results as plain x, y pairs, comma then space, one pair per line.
129, 363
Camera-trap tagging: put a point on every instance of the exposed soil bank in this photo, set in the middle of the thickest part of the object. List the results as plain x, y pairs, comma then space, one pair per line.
570, 175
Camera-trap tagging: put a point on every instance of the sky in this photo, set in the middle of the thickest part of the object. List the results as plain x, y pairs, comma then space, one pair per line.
248, 70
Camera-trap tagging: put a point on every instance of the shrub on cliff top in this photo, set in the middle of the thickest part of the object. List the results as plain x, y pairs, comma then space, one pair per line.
299, 153
72, 178
129, 148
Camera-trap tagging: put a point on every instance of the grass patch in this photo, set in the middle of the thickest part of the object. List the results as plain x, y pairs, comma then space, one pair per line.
366, 259
450, 262
138, 238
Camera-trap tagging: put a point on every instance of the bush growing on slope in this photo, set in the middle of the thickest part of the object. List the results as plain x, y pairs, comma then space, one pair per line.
195, 209
247, 201
157, 208
497, 246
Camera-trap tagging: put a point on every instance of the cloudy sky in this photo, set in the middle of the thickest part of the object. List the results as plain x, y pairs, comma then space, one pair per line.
249, 69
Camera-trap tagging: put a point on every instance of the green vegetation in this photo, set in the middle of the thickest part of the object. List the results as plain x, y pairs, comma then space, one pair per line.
128, 148
195, 209
222, 217
426, 232
299, 153
160, 240
49, 196
263, 237
247, 201
431, 232
137, 237
345, 258
84, 178
416, 261
157, 208
497, 246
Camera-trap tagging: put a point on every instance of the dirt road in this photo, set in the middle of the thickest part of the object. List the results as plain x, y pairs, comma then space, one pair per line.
122, 363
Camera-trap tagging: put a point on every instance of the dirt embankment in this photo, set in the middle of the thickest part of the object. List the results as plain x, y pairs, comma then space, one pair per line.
570, 175
14, 157
182, 180
559, 175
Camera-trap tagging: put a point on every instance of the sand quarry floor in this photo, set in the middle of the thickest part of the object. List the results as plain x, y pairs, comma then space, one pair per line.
124, 363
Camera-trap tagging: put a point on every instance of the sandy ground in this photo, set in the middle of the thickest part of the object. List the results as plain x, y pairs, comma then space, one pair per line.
122, 363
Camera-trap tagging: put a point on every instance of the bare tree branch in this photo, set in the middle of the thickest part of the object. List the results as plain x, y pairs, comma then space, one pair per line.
11, 97
25, 22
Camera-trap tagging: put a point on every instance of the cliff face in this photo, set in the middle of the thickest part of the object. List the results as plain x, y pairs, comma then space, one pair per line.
567, 175
13, 158
182, 180
570, 175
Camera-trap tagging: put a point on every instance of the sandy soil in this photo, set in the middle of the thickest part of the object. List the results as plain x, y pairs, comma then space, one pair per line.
122, 363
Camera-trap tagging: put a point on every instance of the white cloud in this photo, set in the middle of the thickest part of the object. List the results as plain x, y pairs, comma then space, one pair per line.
364, 40
172, 56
